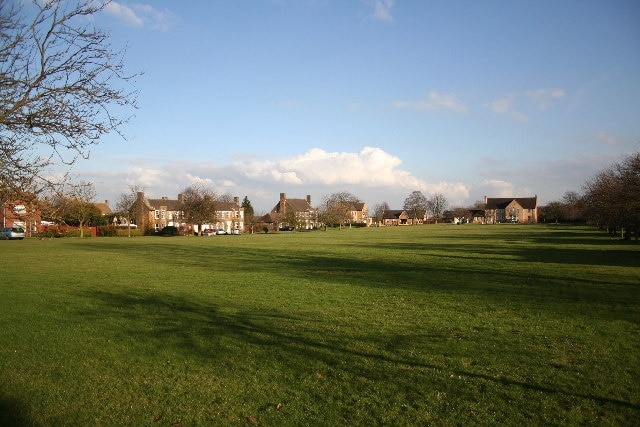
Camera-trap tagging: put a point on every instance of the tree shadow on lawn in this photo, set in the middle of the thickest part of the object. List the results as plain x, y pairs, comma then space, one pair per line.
535, 288
206, 333
521, 251
13, 413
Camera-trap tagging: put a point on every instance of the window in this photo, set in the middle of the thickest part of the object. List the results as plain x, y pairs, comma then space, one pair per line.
163, 214
157, 214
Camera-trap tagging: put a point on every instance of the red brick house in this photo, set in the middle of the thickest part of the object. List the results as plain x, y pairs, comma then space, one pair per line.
301, 210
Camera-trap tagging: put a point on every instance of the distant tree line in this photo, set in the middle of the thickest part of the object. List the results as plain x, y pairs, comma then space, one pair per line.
610, 200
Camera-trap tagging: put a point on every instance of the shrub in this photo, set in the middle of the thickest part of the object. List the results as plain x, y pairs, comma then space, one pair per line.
169, 231
106, 231
50, 233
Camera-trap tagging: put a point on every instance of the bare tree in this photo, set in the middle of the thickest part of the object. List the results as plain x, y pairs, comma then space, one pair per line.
336, 207
199, 205
437, 205
60, 87
415, 205
378, 211
126, 205
612, 197
573, 204
74, 206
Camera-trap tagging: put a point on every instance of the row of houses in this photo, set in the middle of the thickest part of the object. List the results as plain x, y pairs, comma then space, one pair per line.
155, 214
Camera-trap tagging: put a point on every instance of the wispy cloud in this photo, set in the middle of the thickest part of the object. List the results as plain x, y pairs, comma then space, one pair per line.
381, 10
435, 101
606, 138
142, 15
505, 105
502, 105
544, 98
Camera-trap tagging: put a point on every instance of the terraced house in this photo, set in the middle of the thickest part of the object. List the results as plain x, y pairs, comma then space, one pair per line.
155, 214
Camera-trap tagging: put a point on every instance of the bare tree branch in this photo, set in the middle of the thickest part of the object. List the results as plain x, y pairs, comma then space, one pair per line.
62, 88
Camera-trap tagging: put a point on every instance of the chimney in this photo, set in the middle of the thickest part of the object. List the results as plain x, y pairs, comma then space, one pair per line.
283, 202
181, 197
236, 200
106, 202
309, 199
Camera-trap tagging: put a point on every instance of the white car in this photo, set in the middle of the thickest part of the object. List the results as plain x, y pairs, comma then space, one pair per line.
12, 233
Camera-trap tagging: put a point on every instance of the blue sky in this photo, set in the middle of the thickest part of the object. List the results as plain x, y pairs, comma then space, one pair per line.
375, 97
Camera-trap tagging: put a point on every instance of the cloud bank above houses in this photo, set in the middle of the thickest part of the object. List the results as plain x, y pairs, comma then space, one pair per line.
370, 173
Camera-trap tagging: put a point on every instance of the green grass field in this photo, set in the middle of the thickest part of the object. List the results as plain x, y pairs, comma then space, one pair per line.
437, 324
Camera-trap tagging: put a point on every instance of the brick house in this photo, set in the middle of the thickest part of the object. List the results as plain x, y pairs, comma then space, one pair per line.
395, 217
229, 216
155, 214
359, 213
21, 214
301, 210
510, 209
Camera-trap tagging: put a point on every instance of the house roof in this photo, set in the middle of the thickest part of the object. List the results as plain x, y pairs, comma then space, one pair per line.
271, 217
176, 205
357, 206
226, 206
297, 205
392, 214
503, 202
171, 205
104, 208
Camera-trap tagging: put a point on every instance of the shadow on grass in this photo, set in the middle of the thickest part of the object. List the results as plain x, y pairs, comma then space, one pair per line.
205, 332
12, 413
424, 267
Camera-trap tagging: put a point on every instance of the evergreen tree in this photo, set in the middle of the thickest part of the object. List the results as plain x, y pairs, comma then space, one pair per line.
248, 210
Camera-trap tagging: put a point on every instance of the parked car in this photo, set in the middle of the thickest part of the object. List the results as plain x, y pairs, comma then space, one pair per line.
220, 231
12, 233
235, 231
209, 232
287, 228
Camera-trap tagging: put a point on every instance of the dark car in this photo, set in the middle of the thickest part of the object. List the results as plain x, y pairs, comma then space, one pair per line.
12, 233
287, 228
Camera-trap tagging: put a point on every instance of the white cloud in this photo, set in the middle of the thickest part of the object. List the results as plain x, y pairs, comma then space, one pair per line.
124, 13
141, 15
368, 167
606, 138
544, 97
435, 101
494, 188
371, 173
381, 10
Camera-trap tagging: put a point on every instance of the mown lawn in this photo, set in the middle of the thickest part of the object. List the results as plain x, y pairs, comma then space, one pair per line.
437, 324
